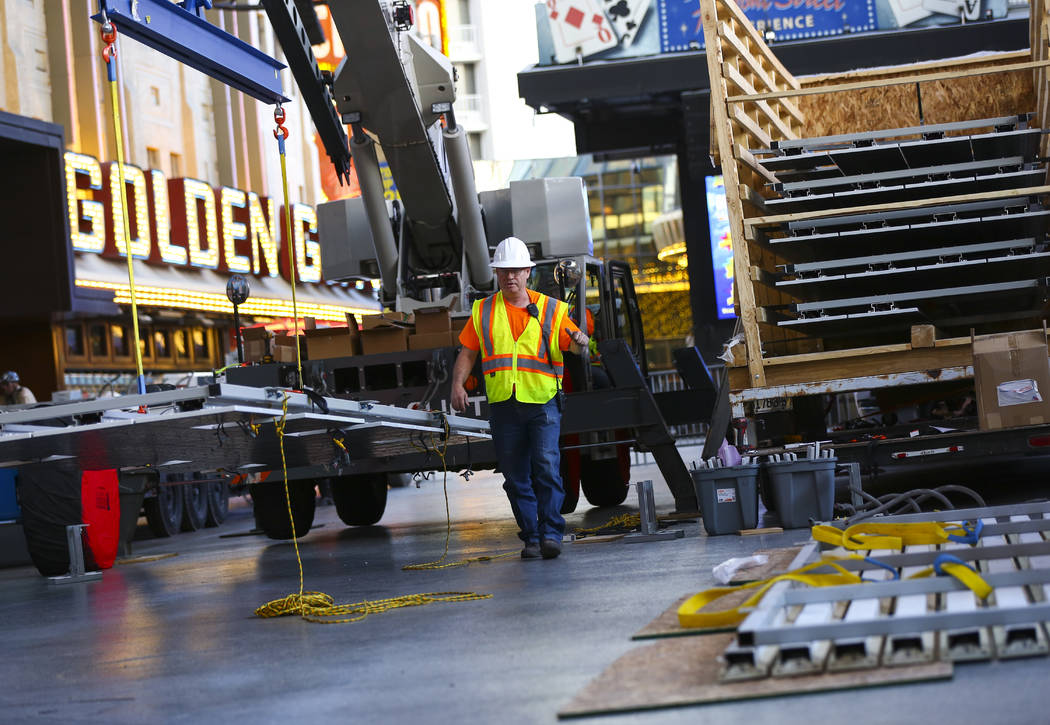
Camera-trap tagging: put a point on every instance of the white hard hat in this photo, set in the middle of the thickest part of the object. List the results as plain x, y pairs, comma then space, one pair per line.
512, 254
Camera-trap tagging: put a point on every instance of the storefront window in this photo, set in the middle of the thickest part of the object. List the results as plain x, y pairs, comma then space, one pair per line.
74, 340
162, 343
97, 340
201, 349
144, 345
121, 341
181, 344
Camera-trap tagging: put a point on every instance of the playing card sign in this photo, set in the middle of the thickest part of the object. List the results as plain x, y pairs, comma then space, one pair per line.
682, 29
581, 29
626, 17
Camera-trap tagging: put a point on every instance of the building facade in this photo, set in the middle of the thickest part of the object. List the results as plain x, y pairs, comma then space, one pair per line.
205, 201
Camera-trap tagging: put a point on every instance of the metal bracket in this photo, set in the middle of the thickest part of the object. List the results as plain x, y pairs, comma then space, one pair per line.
76, 573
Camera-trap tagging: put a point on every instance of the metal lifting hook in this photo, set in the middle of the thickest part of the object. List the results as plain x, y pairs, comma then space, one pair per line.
280, 133
109, 37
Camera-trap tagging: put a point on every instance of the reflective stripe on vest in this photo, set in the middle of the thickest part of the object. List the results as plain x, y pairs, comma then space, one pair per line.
519, 367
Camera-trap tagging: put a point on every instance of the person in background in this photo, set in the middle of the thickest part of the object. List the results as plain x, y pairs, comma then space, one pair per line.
520, 335
12, 390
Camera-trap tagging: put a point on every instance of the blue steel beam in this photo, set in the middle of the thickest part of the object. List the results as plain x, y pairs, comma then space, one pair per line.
167, 27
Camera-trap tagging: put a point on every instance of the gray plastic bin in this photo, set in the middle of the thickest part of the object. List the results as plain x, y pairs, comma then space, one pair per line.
802, 490
728, 497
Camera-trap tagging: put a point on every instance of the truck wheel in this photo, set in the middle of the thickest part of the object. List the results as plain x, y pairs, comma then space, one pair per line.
195, 506
603, 481
360, 500
218, 503
164, 511
271, 509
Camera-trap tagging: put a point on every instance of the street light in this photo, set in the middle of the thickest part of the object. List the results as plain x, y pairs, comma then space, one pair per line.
237, 290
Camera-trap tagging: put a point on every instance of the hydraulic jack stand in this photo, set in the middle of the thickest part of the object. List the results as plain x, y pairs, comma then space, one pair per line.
76, 559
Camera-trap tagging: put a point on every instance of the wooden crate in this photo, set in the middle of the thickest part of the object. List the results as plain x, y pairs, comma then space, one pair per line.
756, 101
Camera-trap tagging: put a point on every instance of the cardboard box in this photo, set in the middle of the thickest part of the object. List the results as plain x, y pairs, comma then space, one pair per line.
257, 342
432, 320
427, 341
1012, 379
384, 339
284, 348
386, 319
332, 342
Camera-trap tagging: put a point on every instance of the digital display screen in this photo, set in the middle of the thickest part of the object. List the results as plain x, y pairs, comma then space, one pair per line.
721, 246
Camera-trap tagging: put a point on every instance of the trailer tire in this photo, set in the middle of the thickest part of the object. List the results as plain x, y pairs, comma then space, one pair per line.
603, 481
271, 508
164, 511
194, 506
360, 500
218, 503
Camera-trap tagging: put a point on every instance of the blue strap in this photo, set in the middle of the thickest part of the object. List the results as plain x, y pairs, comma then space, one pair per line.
949, 559
973, 533
887, 567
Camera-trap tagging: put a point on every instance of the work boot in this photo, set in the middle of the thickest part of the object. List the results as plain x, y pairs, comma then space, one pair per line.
550, 548
531, 551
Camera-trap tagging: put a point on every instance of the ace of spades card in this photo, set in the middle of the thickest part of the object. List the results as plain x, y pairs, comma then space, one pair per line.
579, 25
626, 16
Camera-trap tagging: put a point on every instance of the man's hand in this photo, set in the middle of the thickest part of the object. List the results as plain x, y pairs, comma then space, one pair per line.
580, 340
459, 398
460, 371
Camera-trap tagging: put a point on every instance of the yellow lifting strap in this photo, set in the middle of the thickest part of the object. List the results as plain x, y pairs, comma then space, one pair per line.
691, 616
954, 567
870, 536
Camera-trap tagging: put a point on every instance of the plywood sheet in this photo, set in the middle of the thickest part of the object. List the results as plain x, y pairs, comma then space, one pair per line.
685, 671
959, 99
666, 623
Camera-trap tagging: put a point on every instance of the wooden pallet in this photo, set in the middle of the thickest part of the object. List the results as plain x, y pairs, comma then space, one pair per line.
756, 102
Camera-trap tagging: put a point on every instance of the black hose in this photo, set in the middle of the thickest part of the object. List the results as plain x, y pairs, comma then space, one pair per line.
913, 500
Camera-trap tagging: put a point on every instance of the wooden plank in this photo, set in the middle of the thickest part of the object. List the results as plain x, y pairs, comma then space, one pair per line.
734, 44
864, 352
732, 75
1036, 12
730, 149
750, 125
753, 35
750, 224
884, 82
1017, 56
748, 159
1041, 29
818, 371
686, 670
666, 623
923, 336
752, 197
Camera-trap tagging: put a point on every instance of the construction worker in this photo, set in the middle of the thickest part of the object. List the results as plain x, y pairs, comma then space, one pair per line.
12, 390
521, 335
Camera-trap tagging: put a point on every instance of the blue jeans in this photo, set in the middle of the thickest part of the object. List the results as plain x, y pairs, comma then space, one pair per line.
525, 436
